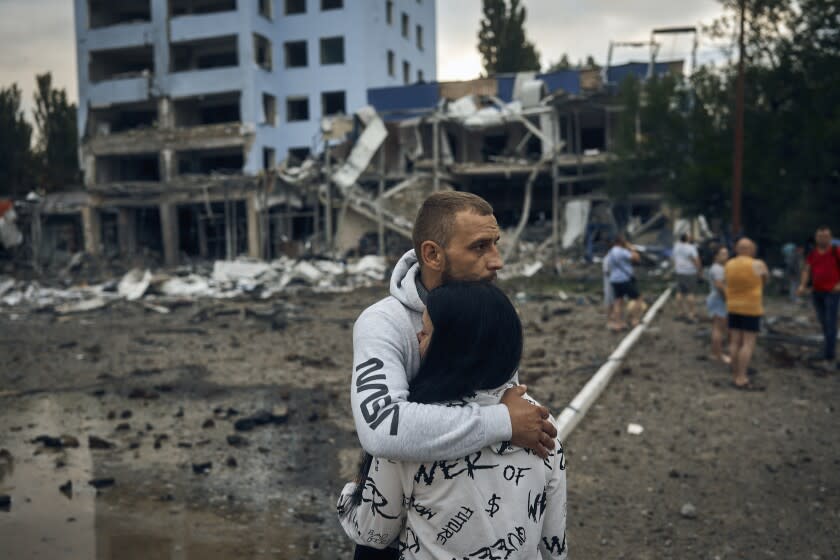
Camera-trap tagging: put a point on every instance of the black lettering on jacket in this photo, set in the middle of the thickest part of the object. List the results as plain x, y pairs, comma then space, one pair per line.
377, 406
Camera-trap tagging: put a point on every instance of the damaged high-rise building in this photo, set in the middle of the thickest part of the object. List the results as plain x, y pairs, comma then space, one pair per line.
184, 103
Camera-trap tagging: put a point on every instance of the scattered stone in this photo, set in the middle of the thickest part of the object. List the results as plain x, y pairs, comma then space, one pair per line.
98, 393
185, 445
674, 473
112, 414
145, 372
231, 462
67, 489
126, 414
164, 388
167, 498
209, 423
237, 441
180, 413
202, 468
160, 439
134, 445
149, 427
140, 393
264, 450
313, 417
100, 483
99, 443
59, 442
309, 517
278, 415
688, 511
124, 427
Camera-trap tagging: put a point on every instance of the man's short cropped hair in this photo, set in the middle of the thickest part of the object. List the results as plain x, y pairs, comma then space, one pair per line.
436, 218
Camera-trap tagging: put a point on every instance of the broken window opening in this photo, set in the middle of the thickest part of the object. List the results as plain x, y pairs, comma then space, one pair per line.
120, 63
298, 155
104, 13
202, 233
198, 7
406, 72
391, 63
405, 25
419, 36
332, 50
205, 162
297, 55
262, 52
297, 109
220, 52
295, 7
289, 227
269, 158
269, 109
265, 9
333, 103
420, 77
117, 169
207, 109
389, 12
331, 5
119, 118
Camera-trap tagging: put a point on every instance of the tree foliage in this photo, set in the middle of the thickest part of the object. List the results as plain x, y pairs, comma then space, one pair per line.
501, 39
57, 144
792, 124
15, 140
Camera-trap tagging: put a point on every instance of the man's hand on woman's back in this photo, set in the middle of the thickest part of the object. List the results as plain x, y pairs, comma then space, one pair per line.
529, 423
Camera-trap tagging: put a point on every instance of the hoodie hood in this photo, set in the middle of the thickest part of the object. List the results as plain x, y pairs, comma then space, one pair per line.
403, 286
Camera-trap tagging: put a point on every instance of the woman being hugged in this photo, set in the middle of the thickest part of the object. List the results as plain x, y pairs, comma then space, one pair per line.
499, 500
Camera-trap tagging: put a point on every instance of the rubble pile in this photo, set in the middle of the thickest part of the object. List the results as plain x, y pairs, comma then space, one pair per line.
226, 280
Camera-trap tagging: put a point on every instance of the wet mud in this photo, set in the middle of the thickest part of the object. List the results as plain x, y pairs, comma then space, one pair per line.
223, 430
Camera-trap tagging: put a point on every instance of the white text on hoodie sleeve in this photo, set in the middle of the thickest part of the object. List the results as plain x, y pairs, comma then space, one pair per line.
390, 427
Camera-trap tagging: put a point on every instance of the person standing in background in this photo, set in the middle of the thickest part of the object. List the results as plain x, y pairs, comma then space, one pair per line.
822, 268
716, 304
688, 269
745, 277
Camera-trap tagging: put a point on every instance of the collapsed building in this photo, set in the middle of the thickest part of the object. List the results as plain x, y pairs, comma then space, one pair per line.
178, 148
536, 146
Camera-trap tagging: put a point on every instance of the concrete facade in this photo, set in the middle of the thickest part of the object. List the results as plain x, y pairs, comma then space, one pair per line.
136, 52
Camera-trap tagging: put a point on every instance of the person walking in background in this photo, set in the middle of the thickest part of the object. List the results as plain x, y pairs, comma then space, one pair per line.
621, 258
716, 304
792, 255
688, 269
609, 297
745, 277
822, 268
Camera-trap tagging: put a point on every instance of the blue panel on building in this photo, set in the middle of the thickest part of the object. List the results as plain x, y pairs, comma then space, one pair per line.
615, 74
505, 90
567, 80
394, 99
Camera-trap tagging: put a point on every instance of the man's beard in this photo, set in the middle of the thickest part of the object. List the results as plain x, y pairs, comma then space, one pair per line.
447, 276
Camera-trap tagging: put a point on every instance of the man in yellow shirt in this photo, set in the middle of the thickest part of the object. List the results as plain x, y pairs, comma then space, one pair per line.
745, 278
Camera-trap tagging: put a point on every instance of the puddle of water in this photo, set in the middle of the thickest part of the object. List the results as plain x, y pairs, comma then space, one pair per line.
130, 521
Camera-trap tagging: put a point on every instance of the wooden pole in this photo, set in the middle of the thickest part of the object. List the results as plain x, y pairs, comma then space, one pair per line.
738, 154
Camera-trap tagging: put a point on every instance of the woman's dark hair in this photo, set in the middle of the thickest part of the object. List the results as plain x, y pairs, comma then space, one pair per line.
476, 345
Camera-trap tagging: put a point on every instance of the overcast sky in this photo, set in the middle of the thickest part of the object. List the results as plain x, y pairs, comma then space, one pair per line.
37, 35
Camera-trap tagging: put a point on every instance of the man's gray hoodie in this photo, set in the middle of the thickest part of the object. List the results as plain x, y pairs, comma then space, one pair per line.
386, 355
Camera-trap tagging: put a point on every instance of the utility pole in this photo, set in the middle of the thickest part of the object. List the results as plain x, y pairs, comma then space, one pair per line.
738, 155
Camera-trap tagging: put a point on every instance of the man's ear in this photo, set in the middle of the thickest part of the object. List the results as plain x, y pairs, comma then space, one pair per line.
431, 256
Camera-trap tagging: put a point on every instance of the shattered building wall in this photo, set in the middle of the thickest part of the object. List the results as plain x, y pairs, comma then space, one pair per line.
184, 103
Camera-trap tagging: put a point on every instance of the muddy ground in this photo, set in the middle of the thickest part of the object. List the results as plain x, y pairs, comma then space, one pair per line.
761, 470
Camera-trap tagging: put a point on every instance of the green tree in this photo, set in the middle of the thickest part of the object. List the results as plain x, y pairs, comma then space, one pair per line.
15, 142
57, 141
792, 125
501, 39
563, 64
